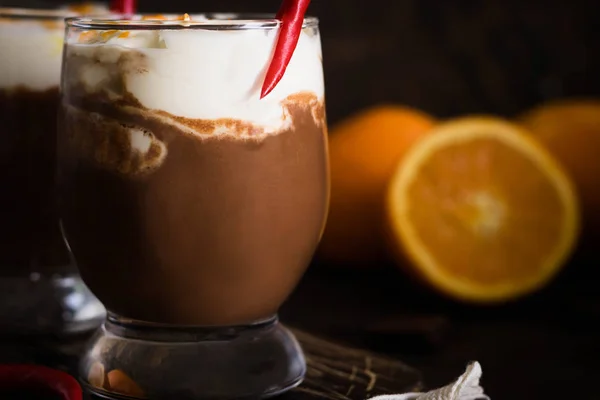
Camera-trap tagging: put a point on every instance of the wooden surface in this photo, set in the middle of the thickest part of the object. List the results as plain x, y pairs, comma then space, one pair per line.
542, 347
341, 373
334, 372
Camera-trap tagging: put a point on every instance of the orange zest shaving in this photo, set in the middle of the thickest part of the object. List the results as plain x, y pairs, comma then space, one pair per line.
92, 36
107, 34
184, 17
87, 36
159, 17
83, 8
52, 25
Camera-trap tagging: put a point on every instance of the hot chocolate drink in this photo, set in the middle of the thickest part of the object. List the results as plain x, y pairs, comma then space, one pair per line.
30, 238
30, 62
37, 272
169, 226
187, 200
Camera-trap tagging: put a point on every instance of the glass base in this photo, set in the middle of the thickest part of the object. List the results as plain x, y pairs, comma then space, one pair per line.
41, 305
131, 359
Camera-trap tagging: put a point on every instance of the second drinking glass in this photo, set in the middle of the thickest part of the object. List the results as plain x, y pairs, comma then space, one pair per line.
40, 289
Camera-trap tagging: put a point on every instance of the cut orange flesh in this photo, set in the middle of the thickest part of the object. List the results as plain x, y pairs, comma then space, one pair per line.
482, 212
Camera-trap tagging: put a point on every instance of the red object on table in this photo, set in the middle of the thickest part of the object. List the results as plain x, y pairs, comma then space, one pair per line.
21, 377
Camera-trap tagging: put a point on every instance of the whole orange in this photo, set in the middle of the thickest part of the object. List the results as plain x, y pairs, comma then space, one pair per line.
570, 130
364, 151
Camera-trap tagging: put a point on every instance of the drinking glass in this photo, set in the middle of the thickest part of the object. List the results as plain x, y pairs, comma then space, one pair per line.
192, 205
40, 289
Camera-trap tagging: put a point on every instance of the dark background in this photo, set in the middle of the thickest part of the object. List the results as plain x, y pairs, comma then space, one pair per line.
446, 57
451, 57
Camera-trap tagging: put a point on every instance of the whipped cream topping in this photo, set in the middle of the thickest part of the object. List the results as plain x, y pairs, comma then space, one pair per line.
31, 48
30, 54
195, 73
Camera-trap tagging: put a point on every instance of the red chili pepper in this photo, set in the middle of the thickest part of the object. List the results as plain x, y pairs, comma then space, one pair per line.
291, 14
123, 6
39, 377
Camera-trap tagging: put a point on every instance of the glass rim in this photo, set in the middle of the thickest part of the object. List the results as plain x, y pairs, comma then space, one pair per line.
235, 21
36, 13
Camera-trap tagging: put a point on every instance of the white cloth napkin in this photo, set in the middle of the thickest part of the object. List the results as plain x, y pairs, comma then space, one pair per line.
466, 387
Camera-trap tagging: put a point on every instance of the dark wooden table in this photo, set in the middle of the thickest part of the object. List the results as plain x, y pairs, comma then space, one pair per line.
334, 372
542, 347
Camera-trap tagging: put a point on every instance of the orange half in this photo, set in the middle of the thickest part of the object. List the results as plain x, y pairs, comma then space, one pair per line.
482, 212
